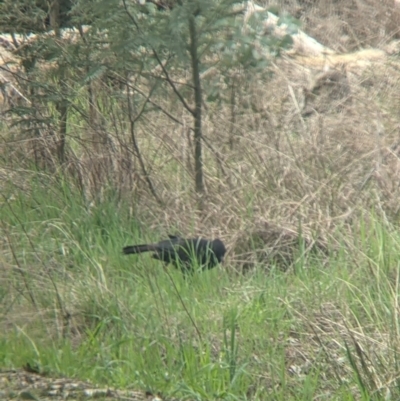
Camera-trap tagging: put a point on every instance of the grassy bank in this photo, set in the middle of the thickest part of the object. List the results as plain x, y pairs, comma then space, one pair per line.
71, 304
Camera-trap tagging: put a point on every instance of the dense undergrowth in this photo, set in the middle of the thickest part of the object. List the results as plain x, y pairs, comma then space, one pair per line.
71, 304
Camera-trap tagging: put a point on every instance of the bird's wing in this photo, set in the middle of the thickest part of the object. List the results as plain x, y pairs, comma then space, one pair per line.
168, 245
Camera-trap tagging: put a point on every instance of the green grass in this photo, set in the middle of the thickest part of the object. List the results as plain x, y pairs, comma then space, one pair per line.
71, 304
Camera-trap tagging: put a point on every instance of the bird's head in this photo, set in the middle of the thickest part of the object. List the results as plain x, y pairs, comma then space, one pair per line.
219, 249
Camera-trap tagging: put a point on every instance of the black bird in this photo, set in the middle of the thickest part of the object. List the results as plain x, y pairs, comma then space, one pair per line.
184, 253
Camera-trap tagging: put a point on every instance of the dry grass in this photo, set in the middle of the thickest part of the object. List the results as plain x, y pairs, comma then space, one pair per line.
346, 25
305, 146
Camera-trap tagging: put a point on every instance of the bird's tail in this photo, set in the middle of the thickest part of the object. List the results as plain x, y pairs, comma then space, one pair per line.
138, 248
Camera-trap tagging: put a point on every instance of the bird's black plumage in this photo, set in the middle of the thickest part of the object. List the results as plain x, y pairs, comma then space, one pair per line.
184, 253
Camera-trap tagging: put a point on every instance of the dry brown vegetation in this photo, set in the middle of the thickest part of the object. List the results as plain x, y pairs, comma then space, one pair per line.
308, 144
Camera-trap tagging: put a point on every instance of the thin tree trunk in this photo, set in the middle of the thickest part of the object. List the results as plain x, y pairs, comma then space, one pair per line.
62, 108
198, 151
62, 104
233, 114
